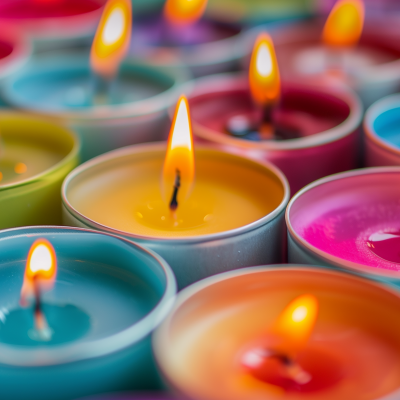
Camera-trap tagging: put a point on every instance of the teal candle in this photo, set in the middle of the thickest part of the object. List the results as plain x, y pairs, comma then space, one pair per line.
109, 294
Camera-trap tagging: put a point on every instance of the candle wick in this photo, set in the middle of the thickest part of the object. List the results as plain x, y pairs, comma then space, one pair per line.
173, 205
41, 325
266, 116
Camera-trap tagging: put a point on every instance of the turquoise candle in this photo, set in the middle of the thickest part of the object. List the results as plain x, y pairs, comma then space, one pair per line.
108, 296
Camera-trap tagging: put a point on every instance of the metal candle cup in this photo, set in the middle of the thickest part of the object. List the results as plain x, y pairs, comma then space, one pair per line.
137, 113
381, 123
35, 157
259, 189
356, 335
348, 221
108, 297
334, 115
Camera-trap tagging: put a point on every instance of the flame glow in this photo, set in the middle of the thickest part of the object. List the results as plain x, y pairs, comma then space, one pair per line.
264, 78
180, 152
344, 24
184, 12
112, 38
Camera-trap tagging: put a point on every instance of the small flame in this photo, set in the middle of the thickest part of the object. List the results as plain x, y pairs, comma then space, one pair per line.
41, 268
264, 76
296, 323
344, 24
20, 168
184, 12
112, 38
180, 152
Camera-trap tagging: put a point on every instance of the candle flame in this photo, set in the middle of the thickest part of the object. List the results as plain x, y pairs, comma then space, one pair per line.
41, 268
296, 323
179, 158
184, 12
112, 38
344, 24
264, 76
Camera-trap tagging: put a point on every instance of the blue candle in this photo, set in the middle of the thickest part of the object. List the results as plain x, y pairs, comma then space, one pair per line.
108, 296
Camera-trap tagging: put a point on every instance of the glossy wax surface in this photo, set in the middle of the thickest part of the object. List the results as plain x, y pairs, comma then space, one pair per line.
125, 194
200, 345
352, 219
387, 126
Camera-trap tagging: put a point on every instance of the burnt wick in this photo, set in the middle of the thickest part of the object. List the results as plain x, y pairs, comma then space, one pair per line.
42, 330
173, 205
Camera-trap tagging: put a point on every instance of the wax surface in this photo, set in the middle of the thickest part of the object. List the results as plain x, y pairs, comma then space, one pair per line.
126, 195
345, 218
356, 331
387, 126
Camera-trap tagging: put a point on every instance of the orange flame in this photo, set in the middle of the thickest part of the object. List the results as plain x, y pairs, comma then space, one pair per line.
184, 12
264, 76
112, 38
296, 323
180, 152
344, 24
41, 268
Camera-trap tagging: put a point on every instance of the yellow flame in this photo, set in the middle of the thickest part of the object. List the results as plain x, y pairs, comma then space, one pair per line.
112, 38
20, 168
184, 12
180, 152
264, 78
344, 24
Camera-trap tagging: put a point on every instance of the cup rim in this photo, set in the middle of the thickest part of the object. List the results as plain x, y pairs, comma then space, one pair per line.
73, 352
158, 146
330, 259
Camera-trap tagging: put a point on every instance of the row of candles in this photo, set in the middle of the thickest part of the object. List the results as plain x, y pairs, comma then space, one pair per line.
79, 305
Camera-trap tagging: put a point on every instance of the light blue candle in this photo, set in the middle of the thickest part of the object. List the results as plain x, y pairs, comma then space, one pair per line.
108, 297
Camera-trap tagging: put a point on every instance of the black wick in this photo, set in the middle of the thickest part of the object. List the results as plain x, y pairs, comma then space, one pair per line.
173, 205
38, 302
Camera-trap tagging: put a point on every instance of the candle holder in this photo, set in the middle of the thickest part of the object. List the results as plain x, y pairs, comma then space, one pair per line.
371, 69
348, 221
328, 141
380, 122
65, 89
35, 157
201, 342
108, 297
229, 233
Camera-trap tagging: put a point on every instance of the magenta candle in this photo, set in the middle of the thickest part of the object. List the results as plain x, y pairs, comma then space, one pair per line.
325, 123
349, 220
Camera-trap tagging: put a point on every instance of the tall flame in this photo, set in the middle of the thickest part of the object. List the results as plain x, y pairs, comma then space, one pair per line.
344, 24
180, 152
184, 12
112, 38
296, 323
264, 78
41, 268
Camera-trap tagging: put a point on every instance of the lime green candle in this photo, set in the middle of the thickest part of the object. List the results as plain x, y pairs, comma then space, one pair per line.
35, 157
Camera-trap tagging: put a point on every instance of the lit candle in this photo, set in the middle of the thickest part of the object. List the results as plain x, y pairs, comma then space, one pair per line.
110, 109
286, 123
213, 205
282, 333
82, 321
344, 50
35, 157
348, 221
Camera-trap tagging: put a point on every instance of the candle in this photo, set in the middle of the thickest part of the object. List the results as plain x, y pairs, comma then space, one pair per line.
221, 339
35, 157
214, 207
381, 124
180, 37
106, 110
332, 54
349, 221
89, 303
288, 124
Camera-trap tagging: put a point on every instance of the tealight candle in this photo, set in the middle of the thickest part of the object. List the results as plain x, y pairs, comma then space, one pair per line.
332, 54
35, 157
96, 299
381, 127
349, 221
213, 208
282, 333
302, 128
